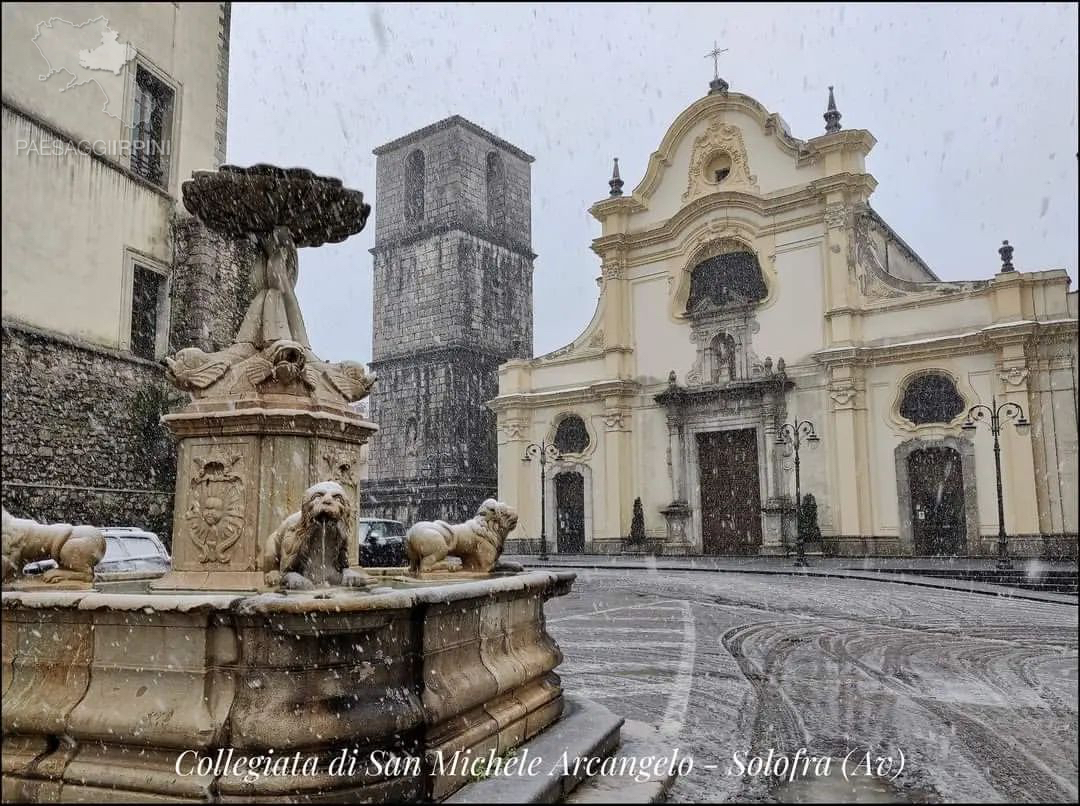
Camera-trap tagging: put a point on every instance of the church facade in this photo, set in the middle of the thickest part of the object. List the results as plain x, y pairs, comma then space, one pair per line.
748, 287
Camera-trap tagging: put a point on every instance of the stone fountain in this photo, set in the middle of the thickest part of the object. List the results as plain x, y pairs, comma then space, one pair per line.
261, 658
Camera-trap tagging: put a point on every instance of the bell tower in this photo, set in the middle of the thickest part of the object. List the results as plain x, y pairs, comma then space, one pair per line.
452, 295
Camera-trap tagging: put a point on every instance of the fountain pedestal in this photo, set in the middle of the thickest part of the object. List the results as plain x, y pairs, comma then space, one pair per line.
241, 470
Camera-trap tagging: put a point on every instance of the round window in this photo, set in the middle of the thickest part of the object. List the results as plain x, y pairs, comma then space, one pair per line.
718, 168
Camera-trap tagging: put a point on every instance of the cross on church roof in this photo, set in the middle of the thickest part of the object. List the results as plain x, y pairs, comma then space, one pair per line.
717, 84
715, 53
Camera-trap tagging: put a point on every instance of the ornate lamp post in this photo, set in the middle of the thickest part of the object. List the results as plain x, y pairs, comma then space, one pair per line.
792, 434
546, 452
996, 416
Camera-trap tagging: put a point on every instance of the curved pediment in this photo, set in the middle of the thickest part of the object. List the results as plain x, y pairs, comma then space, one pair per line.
725, 131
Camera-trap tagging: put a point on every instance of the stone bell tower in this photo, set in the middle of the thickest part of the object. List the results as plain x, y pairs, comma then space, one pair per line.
453, 300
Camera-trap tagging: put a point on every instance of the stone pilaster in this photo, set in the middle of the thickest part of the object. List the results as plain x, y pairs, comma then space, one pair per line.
618, 470
849, 448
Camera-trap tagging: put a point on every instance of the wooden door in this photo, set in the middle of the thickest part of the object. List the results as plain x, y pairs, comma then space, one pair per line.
936, 481
730, 492
570, 513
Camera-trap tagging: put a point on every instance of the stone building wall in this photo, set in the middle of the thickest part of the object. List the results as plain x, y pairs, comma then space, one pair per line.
452, 301
82, 440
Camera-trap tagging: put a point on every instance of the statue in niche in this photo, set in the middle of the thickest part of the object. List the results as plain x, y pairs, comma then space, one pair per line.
723, 358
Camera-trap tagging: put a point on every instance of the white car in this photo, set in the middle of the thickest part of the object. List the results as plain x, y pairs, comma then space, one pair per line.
129, 551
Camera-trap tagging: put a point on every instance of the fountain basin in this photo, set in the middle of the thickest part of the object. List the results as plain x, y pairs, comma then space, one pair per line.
104, 690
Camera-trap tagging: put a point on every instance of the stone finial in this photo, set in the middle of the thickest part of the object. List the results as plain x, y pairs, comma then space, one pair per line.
671, 378
1006, 253
717, 86
832, 115
616, 182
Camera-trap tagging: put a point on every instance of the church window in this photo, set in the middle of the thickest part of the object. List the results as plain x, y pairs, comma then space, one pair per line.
410, 437
718, 169
414, 186
571, 436
496, 193
931, 398
731, 278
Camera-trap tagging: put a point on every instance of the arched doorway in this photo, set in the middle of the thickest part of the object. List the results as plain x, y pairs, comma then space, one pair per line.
936, 482
570, 512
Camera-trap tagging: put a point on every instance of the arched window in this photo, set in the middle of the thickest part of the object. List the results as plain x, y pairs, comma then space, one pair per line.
571, 436
496, 193
931, 398
414, 186
730, 278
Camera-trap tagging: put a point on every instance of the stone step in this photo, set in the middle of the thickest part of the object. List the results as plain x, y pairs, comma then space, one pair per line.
639, 743
586, 730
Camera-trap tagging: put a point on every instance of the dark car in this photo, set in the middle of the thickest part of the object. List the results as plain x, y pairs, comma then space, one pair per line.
382, 543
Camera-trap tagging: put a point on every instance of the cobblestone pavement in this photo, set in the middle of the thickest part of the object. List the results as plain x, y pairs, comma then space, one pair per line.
978, 692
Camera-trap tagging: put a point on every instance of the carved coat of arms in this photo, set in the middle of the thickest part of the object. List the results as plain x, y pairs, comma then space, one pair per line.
215, 516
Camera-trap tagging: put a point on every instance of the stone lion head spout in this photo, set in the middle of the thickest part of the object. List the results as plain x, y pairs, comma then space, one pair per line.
310, 548
327, 504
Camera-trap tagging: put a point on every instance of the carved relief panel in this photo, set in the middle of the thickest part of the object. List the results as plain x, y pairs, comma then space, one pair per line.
718, 163
216, 520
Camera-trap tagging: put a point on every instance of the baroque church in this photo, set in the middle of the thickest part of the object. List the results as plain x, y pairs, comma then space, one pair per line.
748, 287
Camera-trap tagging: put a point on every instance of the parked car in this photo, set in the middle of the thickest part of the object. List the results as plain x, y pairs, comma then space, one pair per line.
128, 551
382, 542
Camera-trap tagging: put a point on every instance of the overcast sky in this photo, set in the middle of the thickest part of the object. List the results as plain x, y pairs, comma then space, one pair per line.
973, 107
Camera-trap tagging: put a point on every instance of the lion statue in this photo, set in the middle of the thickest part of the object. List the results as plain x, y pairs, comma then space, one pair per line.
311, 547
478, 542
75, 549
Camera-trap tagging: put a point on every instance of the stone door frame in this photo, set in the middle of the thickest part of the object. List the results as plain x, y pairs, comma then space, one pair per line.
966, 449
551, 503
704, 422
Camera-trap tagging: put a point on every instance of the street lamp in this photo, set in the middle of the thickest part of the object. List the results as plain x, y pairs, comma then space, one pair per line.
998, 415
546, 452
792, 434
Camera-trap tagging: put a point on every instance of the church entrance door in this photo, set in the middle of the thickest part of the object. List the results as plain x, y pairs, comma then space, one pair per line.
570, 512
937, 501
730, 492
